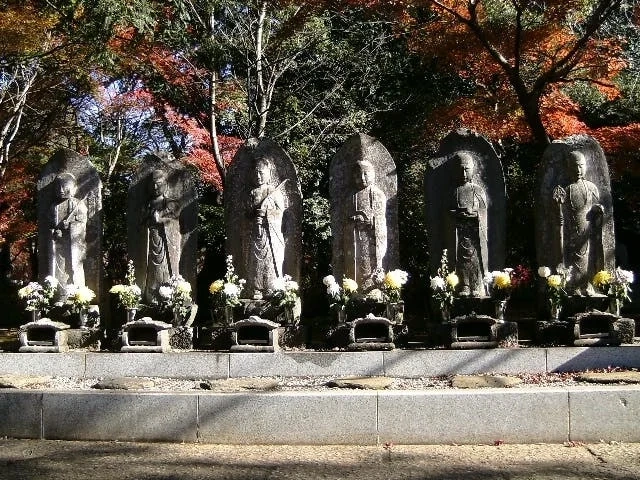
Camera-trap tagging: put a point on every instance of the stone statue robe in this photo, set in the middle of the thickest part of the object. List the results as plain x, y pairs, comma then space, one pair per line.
365, 236
582, 245
267, 245
68, 241
163, 243
470, 237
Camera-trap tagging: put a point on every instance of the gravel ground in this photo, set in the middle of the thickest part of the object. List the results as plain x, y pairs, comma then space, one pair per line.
301, 383
44, 459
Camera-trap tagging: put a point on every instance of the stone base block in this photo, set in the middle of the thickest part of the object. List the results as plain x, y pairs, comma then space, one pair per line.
371, 346
44, 336
553, 332
254, 334
600, 328
481, 331
181, 338
85, 339
146, 335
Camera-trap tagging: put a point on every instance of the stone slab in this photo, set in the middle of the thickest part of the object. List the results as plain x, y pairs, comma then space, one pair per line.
230, 385
473, 416
174, 365
605, 413
20, 414
288, 418
406, 363
572, 359
363, 383
484, 381
119, 416
304, 364
20, 381
47, 364
124, 383
609, 377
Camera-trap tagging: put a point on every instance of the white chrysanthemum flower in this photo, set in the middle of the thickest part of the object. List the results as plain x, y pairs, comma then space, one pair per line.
231, 290
183, 287
292, 286
165, 291
333, 289
51, 281
396, 279
135, 289
437, 283
329, 280
349, 285
626, 276
280, 284
544, 272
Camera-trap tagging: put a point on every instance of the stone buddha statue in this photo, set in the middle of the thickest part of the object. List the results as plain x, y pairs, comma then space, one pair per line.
469, 213
267, 246
68, 227
580, 216
365, 236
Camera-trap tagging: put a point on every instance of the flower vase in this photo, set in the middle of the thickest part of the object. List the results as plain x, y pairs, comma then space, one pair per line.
395, 311
83, 315
614, 306
445, 312
342, 314
177, 318
501, 308
35, 315
131, 314
555, 312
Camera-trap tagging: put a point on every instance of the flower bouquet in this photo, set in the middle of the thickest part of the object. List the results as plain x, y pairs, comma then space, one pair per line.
225, 293
129, 294
615, 285
555, 288
175, 296
443, 287
39, 298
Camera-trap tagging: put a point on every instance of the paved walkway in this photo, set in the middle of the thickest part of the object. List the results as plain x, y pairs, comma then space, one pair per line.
42, 459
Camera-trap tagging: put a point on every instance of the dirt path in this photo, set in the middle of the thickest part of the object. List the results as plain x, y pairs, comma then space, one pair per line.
40, 459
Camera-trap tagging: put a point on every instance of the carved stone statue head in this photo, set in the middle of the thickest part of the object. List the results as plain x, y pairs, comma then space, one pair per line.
66, 185
263, 171
159, 181
365, 174
576, 165
467, 167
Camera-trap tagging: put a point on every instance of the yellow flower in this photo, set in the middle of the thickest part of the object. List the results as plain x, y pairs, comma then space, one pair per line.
601, 278
452, 280
117, 289
349, 285
502, 280
216, 286
395, 279
183, 287
554, 281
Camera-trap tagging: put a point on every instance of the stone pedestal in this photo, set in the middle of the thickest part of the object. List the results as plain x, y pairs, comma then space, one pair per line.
371, 333
44, 335
146, 335
84, 338
254, 334
181, 338
601, 328
481, 331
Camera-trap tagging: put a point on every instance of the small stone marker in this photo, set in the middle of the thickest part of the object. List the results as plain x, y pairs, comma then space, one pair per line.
609, 377
239, 384
20, 381
124, 383
484, 381
364, 383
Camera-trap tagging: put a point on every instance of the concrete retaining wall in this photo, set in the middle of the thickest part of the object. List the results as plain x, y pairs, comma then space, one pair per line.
529, 415
397, 363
